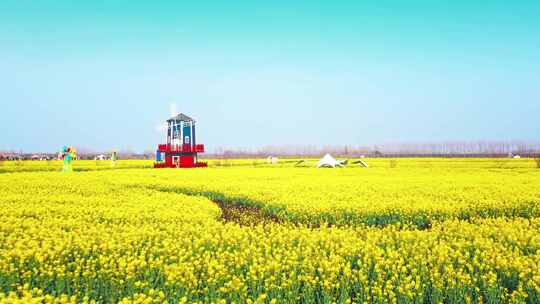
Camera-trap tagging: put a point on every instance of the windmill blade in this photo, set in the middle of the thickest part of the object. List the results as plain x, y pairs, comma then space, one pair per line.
162, 126
173, 110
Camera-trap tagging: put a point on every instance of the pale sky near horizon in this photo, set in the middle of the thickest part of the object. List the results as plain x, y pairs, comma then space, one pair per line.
102, 74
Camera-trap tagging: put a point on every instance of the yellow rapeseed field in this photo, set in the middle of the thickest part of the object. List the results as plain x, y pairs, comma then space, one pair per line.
418, 232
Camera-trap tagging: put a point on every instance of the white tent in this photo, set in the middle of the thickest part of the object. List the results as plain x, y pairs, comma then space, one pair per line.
329, 161
272, 160
100, 157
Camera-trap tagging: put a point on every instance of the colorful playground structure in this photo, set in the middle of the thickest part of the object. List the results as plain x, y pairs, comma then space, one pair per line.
67, 154
181, 149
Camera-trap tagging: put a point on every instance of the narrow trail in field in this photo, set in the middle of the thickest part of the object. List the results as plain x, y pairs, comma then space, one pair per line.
246, 212
233, 210
245, 215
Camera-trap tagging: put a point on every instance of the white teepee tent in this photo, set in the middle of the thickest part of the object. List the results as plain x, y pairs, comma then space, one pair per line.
329, 161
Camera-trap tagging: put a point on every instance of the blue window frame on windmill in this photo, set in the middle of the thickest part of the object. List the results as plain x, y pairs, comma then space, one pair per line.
187, 134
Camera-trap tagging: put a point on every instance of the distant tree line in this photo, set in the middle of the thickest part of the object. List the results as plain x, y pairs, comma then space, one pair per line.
430, 149
16, 156
440, 149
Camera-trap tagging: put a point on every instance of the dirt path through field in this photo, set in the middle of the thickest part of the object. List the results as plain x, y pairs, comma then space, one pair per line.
232, 210
245, 215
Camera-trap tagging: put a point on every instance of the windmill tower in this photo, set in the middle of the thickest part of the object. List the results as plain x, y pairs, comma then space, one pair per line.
181, 148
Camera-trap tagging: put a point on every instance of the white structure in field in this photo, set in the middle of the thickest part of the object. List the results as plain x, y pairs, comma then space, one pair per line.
363, 164
272, 160
100, 157
329, 162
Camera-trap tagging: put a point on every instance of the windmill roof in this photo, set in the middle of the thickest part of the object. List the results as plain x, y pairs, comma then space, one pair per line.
181, 117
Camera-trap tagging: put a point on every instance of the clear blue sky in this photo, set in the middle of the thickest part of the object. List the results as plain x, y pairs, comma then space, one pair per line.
102, 74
